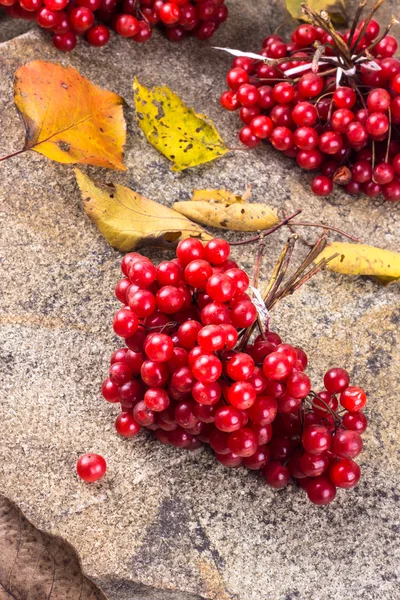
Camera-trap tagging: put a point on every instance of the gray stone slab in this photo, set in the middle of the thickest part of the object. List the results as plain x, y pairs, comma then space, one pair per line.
161, 518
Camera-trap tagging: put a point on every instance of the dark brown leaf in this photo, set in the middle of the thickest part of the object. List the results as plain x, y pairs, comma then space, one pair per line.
37, 565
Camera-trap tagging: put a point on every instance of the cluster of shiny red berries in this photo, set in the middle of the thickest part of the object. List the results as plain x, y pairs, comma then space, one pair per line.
187, 373
348, 133
133, 19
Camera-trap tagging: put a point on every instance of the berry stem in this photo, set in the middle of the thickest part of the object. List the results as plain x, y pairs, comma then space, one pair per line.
12, 154
307, 224
268, 232
357, 16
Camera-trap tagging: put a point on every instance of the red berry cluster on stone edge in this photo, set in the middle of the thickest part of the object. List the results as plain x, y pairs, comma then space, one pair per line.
349, 134
184, 374
134, 19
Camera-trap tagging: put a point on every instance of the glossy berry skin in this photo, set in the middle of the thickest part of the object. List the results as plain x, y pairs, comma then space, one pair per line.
156, 399
336, 380
220, 287
298, 385
228, 419
344, 97
81, 19
211, 338
169, 299
47, 18
263, 411
276, 474
125, 322
346, 444
353, 398
207, 394
311, 85
321, 490
91, 467
242, 395
207, 368
345, 473
321, 185
304, 114
243, 442
65, 42
158, 347
236, 77
356, 421
188, 250
126, 425
314, 465
316, 439
240, 367
126, 25
217, 251
276, 366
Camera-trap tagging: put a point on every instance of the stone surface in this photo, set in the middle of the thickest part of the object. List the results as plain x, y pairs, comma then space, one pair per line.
163, 524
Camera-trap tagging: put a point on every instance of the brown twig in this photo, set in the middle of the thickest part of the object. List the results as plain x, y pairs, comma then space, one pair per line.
13, 154
264, 233
331, 228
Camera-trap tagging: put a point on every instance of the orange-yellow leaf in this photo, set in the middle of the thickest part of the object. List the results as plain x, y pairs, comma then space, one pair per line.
67, 118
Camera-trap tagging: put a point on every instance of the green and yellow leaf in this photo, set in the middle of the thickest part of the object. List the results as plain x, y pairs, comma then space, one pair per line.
184, 137
225, 210
359, 259
128, 220
335, 8
67, 118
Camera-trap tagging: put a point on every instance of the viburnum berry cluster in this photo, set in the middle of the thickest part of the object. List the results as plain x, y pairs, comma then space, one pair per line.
133, 19
189, 373
329, 100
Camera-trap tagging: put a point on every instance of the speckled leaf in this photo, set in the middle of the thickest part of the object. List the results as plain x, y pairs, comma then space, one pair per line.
335, 8
184, 137
359, 259
128, 220
67, 118
37, 565
225, 210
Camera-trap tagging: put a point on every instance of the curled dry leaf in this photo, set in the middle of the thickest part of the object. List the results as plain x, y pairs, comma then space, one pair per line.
67, 118
335, 8
128, 220
359, 259
225, 210
37, 565
186, 138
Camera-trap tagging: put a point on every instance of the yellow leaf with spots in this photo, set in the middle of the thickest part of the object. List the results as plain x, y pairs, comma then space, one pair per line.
184, 137
225, 210
335, 8
359, 259
128, 220
68, 118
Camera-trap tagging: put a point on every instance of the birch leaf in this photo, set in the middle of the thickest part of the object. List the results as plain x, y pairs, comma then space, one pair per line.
359, 259
128, 220
225, 210
184, 137
335, 8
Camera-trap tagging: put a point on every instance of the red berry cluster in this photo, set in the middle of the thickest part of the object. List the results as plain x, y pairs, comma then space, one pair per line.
184, 374
350, 134
133, 19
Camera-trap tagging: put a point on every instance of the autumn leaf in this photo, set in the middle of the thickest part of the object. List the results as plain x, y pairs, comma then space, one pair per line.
128, 220
67, 118
359, 259
36, 564
186, 138
225, 210
335, 8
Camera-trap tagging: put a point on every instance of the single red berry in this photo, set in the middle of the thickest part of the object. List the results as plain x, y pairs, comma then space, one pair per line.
344, 97
346, 443
321, 490
276, 474
207, 368
126, 425
91, 467
314, 465
316, 439
356, 421
277, 366
81, 19
345, 473
321, 185
243, 442
336, 380
353, 398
